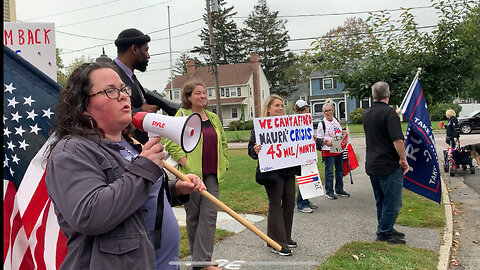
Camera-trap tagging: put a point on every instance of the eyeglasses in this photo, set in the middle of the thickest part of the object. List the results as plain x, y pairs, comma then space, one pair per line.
329, 110
114, 93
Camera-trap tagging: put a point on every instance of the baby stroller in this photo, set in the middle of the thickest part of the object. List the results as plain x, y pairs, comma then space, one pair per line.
455, 158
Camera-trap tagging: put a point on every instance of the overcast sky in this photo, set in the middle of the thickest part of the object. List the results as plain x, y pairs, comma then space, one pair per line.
88, 23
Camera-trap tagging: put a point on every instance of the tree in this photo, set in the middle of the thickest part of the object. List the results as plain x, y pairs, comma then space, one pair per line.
228, 44
448, 55
266, 34
61, 77
180, 65
76, 63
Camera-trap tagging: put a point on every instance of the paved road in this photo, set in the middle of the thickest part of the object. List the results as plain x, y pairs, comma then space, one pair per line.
321, 233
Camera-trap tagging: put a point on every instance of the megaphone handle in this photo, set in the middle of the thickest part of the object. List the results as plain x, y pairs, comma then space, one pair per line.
225, 208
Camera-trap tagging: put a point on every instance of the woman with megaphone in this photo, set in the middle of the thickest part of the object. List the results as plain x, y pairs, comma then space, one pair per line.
111, 197
208, 159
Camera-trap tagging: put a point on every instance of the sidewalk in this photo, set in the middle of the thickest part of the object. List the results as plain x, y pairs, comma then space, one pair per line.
320, 233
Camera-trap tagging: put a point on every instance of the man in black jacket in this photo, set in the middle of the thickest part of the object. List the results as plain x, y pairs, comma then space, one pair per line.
132, 53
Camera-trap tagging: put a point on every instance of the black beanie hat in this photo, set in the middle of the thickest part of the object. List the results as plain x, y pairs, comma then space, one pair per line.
131, 36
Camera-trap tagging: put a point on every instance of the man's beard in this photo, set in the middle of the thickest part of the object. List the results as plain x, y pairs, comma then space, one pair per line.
141, 66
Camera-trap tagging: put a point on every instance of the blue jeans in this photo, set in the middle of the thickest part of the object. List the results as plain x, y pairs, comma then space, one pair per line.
329, 162
301, 203
388, 194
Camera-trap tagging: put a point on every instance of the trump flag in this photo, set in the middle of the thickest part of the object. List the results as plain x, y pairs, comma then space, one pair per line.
31, 236
423, 176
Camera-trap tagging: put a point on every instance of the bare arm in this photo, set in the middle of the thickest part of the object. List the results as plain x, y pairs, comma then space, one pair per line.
400, 147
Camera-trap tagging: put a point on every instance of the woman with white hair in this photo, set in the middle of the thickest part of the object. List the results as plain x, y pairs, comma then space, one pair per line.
327, 129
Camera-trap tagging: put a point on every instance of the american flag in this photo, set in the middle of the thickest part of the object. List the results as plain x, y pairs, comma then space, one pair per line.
307, 179
31, 236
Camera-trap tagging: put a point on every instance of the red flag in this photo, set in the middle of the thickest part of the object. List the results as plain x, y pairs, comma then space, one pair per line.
352, 159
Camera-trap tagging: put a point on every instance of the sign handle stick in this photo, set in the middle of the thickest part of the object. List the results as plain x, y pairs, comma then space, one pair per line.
225, 208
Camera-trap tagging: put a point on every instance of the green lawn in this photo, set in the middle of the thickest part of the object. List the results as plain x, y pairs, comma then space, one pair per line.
185, 250
379, 256
244, 135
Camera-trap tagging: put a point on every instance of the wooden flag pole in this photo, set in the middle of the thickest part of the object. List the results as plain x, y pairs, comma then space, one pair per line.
225, 208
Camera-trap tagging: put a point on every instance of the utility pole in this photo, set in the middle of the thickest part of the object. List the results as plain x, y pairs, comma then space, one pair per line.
214, 62
170, 48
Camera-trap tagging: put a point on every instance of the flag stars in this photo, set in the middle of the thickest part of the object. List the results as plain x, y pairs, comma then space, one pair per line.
28, 101
6, 132
12, 102
15, 159
11, 171
20, 131
35, 129
4, 119
24, 145
10, 146
9, 88
16, 117
47, 113
32, 115
5, 161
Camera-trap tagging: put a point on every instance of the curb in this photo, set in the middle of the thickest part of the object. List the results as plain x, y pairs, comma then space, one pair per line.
446, 246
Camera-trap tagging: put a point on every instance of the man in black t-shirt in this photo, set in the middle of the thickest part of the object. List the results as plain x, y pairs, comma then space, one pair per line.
386, 162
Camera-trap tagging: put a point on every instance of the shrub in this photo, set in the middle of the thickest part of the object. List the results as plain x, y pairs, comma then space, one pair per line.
356, 115
437, 111
240, 125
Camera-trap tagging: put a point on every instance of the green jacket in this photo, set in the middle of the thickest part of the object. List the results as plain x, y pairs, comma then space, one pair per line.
194, 158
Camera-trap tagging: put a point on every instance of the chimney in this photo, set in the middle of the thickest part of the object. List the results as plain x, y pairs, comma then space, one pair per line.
190, 66
256, 84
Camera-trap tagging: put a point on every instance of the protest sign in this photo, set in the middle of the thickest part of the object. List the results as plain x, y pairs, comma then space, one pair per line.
286, 141
35, 42
309, 182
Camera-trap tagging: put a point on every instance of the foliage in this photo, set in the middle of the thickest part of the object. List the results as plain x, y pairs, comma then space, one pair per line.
61, 77
241, 125
266, 34
357, 115
391, 50
437, 111
76, 63
180, 65
228, 43
379, 256
184, 245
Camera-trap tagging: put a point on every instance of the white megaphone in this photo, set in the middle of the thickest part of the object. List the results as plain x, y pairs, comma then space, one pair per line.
185, 131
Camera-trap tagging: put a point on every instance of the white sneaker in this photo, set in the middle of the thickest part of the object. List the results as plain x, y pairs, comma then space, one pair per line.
306, 210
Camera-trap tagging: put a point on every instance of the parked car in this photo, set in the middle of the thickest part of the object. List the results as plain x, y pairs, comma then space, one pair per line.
469, 123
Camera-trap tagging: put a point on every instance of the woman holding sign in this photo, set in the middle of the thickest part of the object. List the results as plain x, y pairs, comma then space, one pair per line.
279, 185
330, 131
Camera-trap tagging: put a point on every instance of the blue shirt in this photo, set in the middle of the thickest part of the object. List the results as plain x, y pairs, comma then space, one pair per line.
170, 245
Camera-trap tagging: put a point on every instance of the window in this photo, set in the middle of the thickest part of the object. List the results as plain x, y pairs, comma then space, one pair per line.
263, 94
227, 92
222, 92
316, 84
317, 108
304, 98
176, 94
251, 111
210, 92
239, 91
233, 93
327, 84
341, 110
250, 90
285, 103
365, 103
234, 113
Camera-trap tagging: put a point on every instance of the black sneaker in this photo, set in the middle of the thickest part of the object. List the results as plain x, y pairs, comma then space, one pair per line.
292, 244
343, 193
390, 239
331, 196
397, 233
283, 252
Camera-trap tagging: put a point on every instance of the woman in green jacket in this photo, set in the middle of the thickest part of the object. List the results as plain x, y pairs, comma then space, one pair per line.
208, 159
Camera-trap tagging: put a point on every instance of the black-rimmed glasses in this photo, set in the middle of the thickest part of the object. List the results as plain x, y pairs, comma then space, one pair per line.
114, 93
